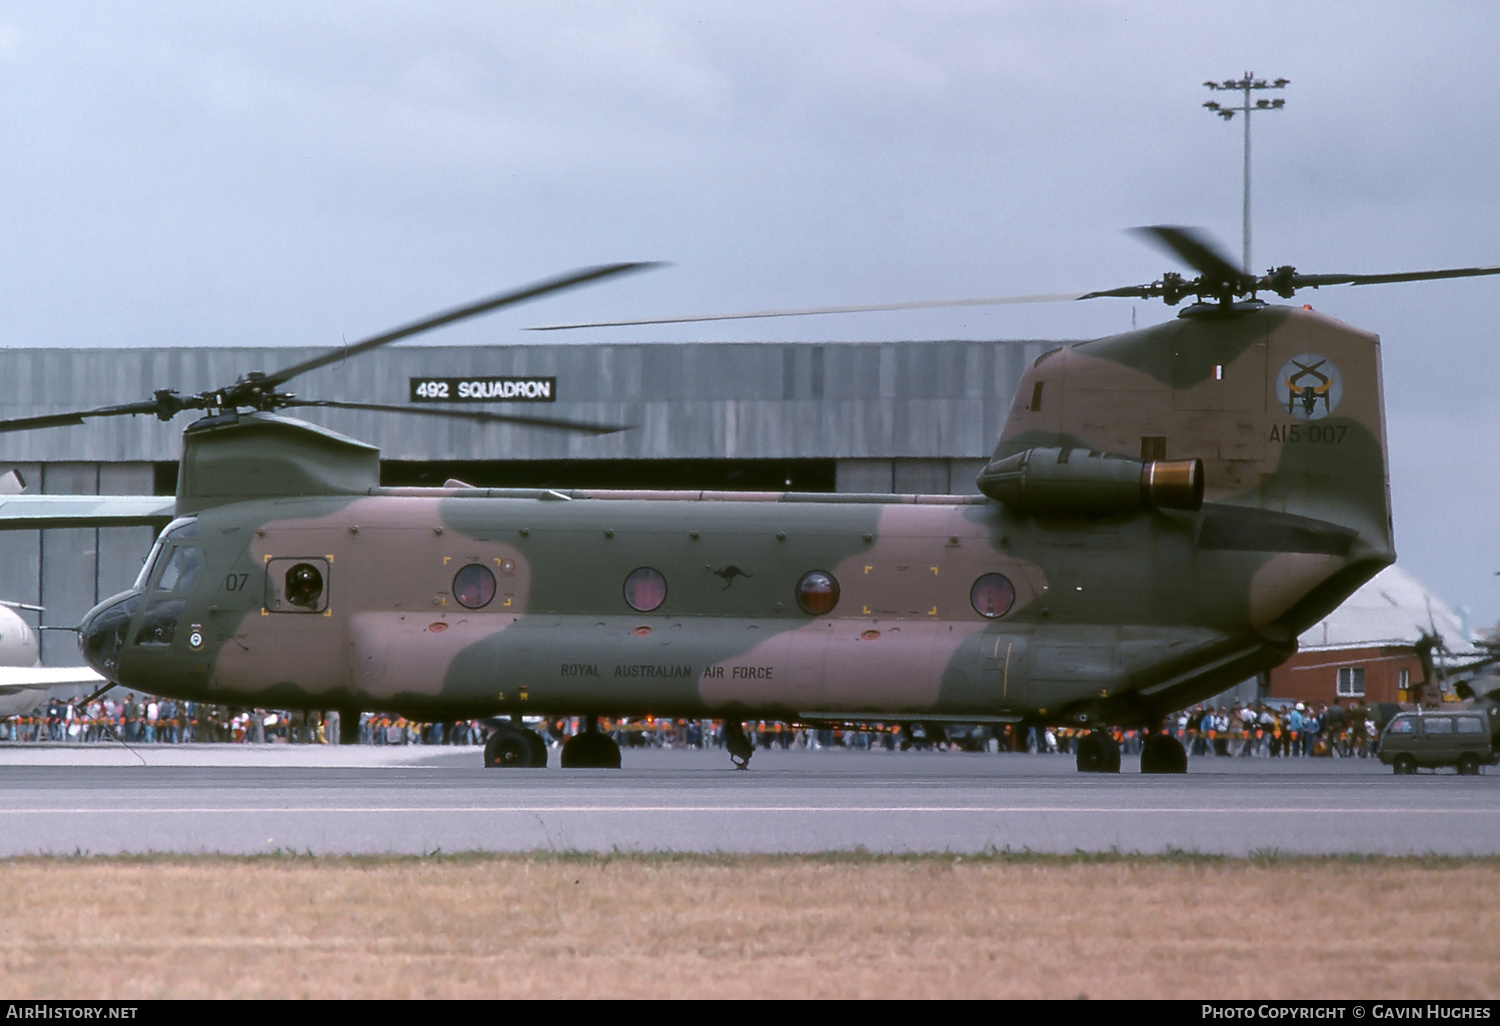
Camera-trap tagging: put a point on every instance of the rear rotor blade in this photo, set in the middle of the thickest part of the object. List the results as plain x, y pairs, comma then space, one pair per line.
1195, 248
565, 281
1052, 297
478, 416
77, 417
1315, 280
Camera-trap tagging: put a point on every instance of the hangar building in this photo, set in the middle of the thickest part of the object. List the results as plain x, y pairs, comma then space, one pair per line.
855, 417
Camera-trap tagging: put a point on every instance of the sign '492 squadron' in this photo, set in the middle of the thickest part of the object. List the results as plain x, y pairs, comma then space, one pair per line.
1166, 510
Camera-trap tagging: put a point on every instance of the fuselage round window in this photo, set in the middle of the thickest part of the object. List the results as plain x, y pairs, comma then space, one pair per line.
992, 595
645, 589
304, 585
474, 586
818, 593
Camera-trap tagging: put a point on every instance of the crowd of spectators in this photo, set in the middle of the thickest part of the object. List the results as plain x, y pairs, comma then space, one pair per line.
1244, 730
1248, 729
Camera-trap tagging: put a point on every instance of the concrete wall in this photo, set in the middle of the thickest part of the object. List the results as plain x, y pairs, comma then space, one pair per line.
904, 476
851, 400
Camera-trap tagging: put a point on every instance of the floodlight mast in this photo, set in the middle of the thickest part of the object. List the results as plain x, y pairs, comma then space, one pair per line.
1248, 84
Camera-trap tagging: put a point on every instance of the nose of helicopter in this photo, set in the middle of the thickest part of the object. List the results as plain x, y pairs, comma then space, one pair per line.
101, 636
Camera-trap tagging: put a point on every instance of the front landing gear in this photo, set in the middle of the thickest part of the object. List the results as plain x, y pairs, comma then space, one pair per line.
512, 747
1163, 753
1098, 753
737, 744
590, 749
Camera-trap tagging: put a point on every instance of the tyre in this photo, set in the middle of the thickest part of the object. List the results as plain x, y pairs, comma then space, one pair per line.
508, 749
1404, 765
1098, 753
590, 750
1468, 765
1163, 753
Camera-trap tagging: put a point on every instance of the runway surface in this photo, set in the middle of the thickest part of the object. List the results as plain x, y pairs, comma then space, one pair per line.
241, 799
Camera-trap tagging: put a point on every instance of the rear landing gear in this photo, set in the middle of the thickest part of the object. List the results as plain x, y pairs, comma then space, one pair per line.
738, 745
590, 749
1098, 753
1163, 753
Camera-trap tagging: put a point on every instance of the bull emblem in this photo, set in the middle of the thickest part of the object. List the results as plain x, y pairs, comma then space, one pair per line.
1309, 387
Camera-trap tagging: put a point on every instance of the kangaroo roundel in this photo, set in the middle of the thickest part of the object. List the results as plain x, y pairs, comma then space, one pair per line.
1309, 387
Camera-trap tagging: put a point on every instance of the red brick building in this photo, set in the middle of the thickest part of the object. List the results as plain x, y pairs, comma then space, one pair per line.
1378, 673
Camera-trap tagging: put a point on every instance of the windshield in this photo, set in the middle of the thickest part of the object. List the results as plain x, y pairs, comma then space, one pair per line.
147, 565
183, 527
181, 569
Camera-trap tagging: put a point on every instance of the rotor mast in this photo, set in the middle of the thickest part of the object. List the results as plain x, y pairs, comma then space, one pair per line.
1248, 84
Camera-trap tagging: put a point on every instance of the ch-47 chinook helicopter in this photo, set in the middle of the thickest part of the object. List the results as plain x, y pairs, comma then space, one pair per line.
1164, 513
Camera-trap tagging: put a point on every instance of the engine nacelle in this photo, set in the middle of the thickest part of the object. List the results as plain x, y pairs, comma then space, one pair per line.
1084, 482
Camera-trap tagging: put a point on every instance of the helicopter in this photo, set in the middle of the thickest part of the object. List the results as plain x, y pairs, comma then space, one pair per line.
1164, 512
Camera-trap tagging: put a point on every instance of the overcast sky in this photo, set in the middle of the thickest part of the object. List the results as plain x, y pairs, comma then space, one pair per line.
212, 174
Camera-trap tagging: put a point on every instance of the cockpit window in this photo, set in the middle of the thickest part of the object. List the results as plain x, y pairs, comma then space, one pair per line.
177, 530
147, 566
159, 622
181, 569
181, 528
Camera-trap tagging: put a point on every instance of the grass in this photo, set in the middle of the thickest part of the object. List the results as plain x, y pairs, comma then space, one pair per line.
683, 926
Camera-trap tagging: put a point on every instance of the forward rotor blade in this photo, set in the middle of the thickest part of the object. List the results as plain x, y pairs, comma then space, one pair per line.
479, 416
77, 417
1150, 291
572, 279
1195, 248
1053, 297
1316, 280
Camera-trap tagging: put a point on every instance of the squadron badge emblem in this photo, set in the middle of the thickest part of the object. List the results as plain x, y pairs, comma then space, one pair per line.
1309, 387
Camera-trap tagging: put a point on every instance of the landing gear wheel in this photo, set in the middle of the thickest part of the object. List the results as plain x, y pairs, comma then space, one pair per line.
591, 749
508, 748
1404, 766
1098, 753
738, 745
1163, 753
1468, 765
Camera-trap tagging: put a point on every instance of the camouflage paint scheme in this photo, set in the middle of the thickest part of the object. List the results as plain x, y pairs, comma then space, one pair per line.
1117, 618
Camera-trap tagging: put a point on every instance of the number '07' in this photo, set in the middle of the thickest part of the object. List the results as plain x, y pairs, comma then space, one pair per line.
235, 582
